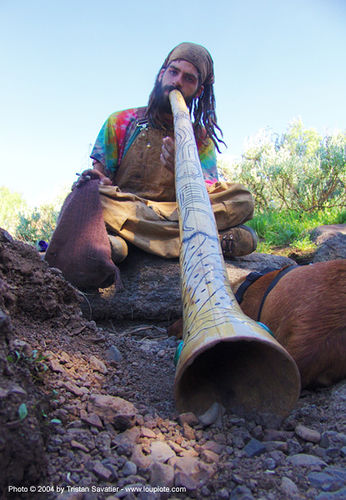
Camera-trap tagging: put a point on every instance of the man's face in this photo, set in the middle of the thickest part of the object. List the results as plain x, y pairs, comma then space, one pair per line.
183, 76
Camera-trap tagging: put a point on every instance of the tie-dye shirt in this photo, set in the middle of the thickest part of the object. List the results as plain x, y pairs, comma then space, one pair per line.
118, 133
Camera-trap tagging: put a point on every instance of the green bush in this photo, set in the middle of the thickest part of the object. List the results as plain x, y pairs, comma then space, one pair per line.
299, 170
11, 205
37, 225
25, 223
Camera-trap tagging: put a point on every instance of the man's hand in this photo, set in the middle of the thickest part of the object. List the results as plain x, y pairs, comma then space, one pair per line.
167, 153
92, 173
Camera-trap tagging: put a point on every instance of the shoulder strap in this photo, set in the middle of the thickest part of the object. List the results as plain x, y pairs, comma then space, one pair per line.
133, 129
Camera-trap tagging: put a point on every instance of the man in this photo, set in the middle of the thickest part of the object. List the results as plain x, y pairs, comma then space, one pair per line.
133, 165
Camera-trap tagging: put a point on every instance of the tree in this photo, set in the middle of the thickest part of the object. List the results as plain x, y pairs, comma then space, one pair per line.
11, 205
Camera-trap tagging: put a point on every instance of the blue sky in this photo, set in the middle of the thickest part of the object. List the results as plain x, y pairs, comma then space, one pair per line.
68, 64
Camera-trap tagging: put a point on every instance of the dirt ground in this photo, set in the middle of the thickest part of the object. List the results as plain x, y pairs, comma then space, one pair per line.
87, 411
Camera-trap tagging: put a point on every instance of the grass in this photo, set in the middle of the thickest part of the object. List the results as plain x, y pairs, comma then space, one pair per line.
288, 228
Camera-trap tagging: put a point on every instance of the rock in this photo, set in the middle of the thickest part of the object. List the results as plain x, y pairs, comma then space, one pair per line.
334, 495
130, 468
276, 435
175, 447
321, 234
188, 465
289, 488
188, 418
192, 468
142, 461
183, 480
254, 448
98, 365
333, 247
145, 432
213, 446
304, 460
77, 391
113, 354
101, 471
325, 481
212, 415
188, 432
241, 493
161, 474
161, 451
152, 286
114, 410
276, 445
128, 437
308, 434
209, 456
79, 446
91, 419
55, 366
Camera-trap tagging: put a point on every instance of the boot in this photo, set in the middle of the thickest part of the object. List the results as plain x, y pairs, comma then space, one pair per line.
238, 241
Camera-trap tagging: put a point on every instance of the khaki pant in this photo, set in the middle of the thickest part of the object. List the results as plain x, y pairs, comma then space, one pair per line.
154, 226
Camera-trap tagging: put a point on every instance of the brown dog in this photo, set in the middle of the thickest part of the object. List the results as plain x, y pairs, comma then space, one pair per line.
306, 311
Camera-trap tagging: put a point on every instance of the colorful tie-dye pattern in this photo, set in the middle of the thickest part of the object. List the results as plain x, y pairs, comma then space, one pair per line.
110, 143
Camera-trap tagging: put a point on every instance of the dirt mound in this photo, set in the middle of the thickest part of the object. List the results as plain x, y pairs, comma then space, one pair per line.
87, 411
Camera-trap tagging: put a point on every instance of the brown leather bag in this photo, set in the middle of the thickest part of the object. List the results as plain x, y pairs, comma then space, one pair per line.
80, 247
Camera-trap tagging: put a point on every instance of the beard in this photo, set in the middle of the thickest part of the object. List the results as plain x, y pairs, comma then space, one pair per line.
162, 97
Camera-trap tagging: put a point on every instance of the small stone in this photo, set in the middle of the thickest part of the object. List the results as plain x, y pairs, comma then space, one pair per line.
189, 453
188, 465
241, 493
142, 461
209, 456
188, 432
294, 447
130, 468
212, 415
113, 354
91, 419
321, 480
161, 452
213, 446
128, 437
276, 435
276, 445
223, 493
161, 474
114, 410
308, 434
302, 459
289, 487
77, 391
98, 365
254, 448
183, 480
55, 366
188, 418
175, 447
102, 471
146, 432
270, 463
80, 446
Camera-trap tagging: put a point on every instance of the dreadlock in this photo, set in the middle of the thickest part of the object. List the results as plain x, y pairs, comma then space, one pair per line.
202, 109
